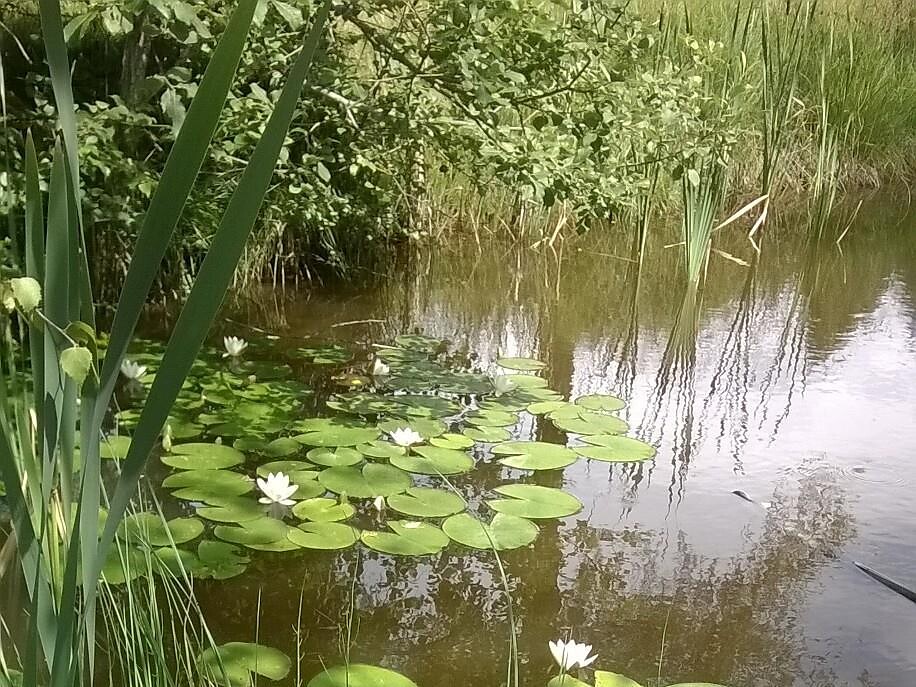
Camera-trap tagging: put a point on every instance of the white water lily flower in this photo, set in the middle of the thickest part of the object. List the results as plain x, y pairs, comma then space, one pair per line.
379, 503
234, 346
405, 436
380, 369
502, 384
569, 655
132, 371
277, 489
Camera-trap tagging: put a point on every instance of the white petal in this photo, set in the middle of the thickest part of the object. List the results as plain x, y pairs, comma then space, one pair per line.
266, 501
587, 661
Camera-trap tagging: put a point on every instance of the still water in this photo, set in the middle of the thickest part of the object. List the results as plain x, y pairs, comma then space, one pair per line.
792, 380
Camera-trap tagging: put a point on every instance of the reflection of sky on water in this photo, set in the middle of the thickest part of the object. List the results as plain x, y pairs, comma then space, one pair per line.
797, 390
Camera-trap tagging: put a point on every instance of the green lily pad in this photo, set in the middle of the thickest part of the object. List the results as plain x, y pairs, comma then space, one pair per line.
323, 535
601, 402
425, 427
260, 531
232, 509
424, 502
372, 480
150, 528
408, 538
535, 502
342, 434
605, 679
492, 418
199, 456
204, 485
381, 450
279, 546
419, 342
308, 485
534, 455
566, 681
114, 447
486, 435
239, 659
222, 561
431, 460
282, 447
527, 381
249, 444
123, 564
521, 364
589, 422
544, 407
360, 675
453, 441
177, 562
614, 448
335, 457
285, 466
502, 533
323, 510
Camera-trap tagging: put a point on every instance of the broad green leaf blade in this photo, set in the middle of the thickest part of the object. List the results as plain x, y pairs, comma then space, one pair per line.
210, 287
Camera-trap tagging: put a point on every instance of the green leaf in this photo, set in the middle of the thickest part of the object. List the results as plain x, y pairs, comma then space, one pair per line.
606, 679
115, 447
533, 501
534, 455
323, 535
232, 509
221, 560
502, 533
359, 675
566, 681
153, 530
258, 531
323, 172
615, 449
242, 656
323, 510
408, 538
589, 422
201, 456
371, 481
601, 403
76, 362
521, 364
424, 502
432, 460
335, 457
27, 292
292, 15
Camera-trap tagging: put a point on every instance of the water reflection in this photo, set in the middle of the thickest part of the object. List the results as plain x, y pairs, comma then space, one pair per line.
790, 378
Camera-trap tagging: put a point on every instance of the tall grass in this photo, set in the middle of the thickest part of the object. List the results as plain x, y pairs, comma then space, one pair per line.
54, 489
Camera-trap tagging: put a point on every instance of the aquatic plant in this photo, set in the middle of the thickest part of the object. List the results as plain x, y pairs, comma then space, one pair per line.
570, 654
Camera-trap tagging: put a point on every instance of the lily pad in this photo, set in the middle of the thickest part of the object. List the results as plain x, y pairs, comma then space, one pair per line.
343, 434
453, 441
200, 456
424, 502
486, 435
360, 675
323, 510
285, 466
492, 418
621, 450
526, 381
419, 342
502, 533
153, 530
381, 450
204, 485
432, 460
372, 480
282, 447
533, 501
408, 538
425, 427
114, 447
222, 561
605, 679
566, 681
589, 422
601, 402
232, 509
124, 563
521, 364
534, 455
544, 407
340, 456
240, 659
260, 531
177, 562
323, 535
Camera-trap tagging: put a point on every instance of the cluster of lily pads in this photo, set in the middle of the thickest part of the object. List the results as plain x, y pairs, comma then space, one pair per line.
379, 469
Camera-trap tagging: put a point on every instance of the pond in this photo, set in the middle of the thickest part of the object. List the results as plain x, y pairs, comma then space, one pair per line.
789, 380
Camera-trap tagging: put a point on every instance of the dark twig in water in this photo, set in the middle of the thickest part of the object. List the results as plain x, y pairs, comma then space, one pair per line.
887, 582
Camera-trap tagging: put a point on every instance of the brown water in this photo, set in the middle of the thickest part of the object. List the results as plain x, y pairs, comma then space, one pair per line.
796, 386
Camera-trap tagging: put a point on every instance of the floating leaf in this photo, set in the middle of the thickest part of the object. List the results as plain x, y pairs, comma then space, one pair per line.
615, 449
334, 457
114, 447
526, 381
150, 528
200, 456
232, 510
123, 564
222, 561
359, 675
606, 679
424, 502
286, 467
601, 402
260, 531
534, 455
503, 532
339, 435
487, 435
589, 422
432, 460
566, 681
237, 658
521, 364
418, 342
323, 535
381, 450
533, 501
282, 447
492, 418
279, 546
177, 562
453, 441
211, 482
407, 539
544, 407
426, 428
371, 481
323, 510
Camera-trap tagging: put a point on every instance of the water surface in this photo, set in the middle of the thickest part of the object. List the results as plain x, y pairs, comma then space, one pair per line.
791, 379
